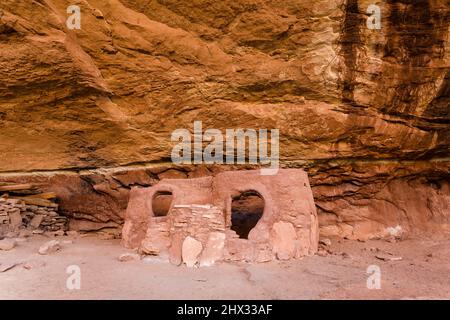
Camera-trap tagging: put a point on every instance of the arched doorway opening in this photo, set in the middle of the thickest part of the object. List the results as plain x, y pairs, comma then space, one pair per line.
161, 202
246, 210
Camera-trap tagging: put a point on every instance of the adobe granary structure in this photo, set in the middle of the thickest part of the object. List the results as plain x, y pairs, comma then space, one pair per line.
233, 216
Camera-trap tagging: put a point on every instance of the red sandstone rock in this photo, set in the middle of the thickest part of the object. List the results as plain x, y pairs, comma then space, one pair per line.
191, 250
350, 108
156, 238
175, 249
136, 218
15, 219
49, 247
125, 257
283, 239
244, 62
134, 177
213, 250
147, 247
7, 244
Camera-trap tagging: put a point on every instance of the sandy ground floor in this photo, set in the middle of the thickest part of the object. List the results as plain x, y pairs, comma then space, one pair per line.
410, 269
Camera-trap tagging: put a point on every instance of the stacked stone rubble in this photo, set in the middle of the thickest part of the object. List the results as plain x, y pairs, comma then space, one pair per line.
196, 220
16, 214
197, 234
157, 237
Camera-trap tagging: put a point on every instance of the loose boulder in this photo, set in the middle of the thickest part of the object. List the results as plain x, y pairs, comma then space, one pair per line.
7, 244
283, 238
213, 249
190, 251
49, 247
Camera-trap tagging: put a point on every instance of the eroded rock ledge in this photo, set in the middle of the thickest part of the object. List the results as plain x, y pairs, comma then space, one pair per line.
354, 199
364, 112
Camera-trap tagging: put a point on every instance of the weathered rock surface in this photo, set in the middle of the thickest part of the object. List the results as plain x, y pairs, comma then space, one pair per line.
175, 250
15, 215
365, 112
49, 247
125, 257
213, 250
190, 251
283, 238
7, 244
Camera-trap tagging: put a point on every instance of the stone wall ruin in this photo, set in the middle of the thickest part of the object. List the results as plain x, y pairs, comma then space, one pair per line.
24, 206
232, 216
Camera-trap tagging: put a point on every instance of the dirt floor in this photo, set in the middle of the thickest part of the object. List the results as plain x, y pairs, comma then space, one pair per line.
422, 273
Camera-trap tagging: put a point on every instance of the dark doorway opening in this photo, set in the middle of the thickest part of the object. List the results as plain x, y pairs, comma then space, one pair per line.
162, 200
246, 210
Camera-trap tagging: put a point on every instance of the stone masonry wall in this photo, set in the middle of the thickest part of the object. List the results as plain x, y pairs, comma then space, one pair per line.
15, 215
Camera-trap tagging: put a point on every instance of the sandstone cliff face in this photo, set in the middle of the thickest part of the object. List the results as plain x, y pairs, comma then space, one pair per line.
366, 112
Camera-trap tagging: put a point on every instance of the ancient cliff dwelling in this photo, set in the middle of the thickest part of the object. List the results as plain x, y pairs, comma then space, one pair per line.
235, 216
228, 149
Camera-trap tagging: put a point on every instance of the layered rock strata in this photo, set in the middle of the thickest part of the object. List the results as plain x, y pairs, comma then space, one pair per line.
365, 112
